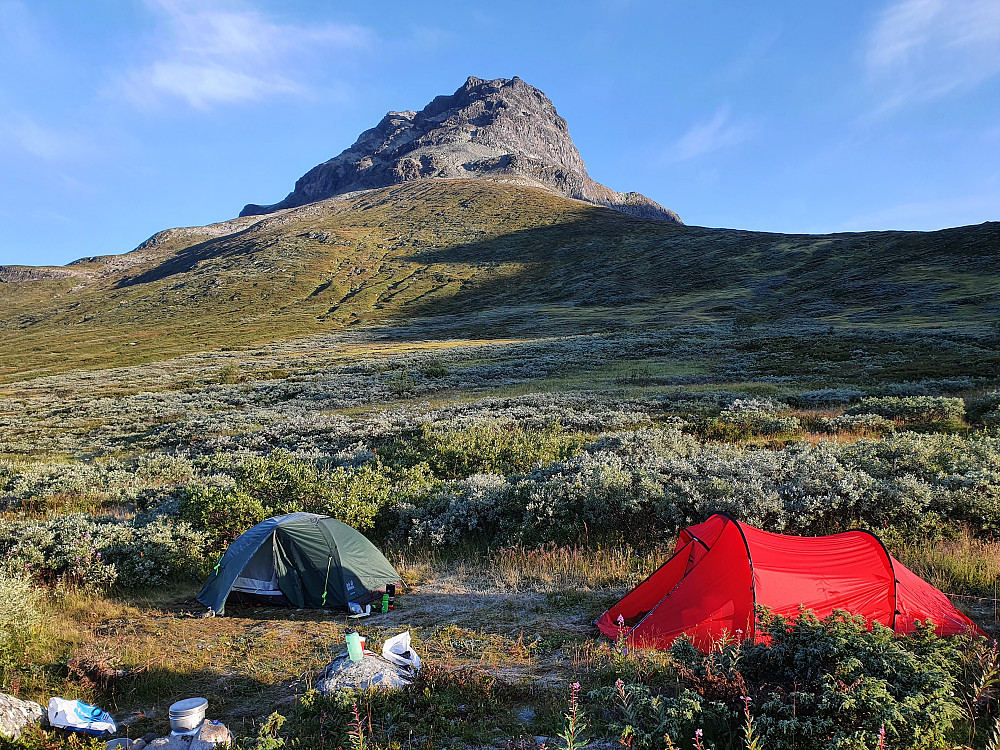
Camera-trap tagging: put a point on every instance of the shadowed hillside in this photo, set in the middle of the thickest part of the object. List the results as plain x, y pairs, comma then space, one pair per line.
476, 257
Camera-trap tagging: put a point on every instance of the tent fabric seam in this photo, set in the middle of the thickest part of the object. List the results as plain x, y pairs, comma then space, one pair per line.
753, 583
892, 572
665, 596
647, 579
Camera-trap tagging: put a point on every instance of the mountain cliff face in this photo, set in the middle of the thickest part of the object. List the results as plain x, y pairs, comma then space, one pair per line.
502, 130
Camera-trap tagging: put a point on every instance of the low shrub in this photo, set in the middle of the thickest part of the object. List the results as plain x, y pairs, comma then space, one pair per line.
281, 483
738, 426
434, 368
826, 397
36, 738
830, 683
913, 409
444, 708
908, 486
39, 486
100, 552
858, 424
986, 408
485, 448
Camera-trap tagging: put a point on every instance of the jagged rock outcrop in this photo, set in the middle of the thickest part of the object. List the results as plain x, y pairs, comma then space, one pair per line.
503, 130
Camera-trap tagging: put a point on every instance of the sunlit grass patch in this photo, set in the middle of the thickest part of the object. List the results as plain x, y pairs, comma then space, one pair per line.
552, 569
962, 566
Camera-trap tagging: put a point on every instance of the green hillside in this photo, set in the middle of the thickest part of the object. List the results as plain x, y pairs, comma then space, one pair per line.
473, 258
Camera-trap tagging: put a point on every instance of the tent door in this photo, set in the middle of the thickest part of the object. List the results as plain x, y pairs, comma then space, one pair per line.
258, 575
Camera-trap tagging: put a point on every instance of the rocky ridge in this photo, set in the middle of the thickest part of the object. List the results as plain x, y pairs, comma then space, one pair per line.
503, 130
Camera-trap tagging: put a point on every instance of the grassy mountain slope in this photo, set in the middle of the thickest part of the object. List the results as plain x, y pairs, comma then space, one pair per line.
468, 257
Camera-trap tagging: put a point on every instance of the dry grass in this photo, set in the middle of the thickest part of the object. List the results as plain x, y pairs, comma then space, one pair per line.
554, 569
967, 569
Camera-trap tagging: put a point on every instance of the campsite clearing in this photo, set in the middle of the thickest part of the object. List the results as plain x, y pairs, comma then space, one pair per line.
136, 658
508, 631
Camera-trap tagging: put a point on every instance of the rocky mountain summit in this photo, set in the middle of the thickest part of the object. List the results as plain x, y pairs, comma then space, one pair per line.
502, 130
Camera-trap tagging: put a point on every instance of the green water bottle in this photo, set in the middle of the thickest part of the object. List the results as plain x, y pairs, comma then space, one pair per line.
385, 602
354, 650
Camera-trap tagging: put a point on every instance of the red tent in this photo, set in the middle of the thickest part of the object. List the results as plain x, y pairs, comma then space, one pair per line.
722, 568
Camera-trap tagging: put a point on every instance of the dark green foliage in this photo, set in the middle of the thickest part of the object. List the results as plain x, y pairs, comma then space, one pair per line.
280, 483
649, 715
986, 408
817, 684
834, 683
434, 369
490, 448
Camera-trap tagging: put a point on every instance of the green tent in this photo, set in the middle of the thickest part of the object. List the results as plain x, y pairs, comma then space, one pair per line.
301, 559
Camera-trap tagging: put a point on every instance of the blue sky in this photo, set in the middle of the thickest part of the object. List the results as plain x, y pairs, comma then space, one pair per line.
119, 118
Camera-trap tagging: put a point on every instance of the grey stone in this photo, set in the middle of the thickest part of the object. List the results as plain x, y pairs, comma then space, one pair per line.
502, 130
211, 735
16, 715
370, 672
170, 742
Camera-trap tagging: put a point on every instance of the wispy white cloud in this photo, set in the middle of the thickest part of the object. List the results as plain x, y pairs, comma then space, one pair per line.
205, 54
920, 50
719, 132
21, 133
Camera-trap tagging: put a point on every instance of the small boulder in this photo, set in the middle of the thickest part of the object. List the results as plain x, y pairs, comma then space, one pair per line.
211, 735
370, 672
16, 715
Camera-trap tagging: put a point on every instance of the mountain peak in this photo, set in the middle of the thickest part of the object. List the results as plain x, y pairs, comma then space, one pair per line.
503, 130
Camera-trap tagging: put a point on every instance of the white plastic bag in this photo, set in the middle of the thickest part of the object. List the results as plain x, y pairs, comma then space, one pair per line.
80, 717
397, 650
